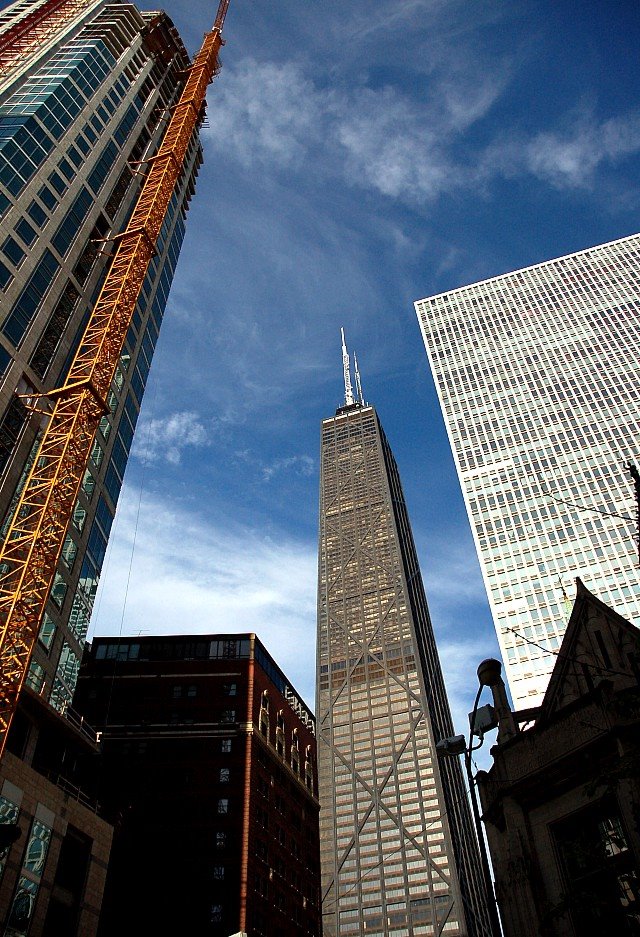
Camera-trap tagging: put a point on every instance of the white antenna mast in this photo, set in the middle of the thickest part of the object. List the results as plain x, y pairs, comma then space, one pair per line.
358, 384
346, 367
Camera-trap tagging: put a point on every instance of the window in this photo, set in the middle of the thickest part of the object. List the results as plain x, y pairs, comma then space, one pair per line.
223, 776
599, 870
48, 198
12, 250
58, 590
35, 677
48, 344
25, 231
230, 689
47, 632
225, 746
25, 307
228, 715
221, 839
223, 805
218, 872
5, 276
8, 814
58, 183
72, 222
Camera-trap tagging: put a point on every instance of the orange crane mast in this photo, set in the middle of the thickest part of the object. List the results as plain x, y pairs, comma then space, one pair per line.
28, 34
34, 539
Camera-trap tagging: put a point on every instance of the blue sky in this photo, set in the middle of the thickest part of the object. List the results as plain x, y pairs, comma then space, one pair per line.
358, 157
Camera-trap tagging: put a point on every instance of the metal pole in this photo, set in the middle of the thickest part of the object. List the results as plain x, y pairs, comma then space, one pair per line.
633, 471
496, 929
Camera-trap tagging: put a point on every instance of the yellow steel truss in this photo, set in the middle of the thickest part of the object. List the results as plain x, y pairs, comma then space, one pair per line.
30, 553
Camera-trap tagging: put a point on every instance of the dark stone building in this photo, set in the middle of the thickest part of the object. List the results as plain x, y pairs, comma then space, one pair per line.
562, 800
209, 775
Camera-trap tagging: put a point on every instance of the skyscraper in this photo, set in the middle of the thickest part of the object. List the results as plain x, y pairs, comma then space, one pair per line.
86, 90
81, 110
398, 853
538, 375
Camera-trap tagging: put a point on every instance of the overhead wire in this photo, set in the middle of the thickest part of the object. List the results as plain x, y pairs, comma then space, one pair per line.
561, 656
578, 507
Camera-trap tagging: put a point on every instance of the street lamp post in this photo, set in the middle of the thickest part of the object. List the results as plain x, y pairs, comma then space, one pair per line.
458, 745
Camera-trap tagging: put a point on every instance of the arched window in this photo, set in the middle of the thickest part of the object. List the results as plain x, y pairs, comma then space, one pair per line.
308, 768
280, 733
264, 714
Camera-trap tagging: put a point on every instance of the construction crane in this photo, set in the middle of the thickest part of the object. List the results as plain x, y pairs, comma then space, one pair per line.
31, 550
30, 32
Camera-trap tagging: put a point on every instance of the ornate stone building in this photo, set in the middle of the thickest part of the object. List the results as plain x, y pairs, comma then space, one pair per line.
562, 800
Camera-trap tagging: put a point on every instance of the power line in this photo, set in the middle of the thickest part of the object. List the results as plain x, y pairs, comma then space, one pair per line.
579, 507
597, 667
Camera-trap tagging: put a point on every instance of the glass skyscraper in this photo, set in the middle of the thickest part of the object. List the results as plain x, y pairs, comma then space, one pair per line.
538, 375
86, 90
398, 853
81, 109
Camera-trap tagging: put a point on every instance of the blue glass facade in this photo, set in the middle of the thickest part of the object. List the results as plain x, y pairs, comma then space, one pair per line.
73, 131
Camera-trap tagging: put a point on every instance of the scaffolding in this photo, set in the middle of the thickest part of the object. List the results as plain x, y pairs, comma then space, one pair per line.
30, 33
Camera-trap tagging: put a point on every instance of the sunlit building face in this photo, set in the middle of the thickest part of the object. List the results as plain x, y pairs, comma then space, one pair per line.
395, 835
538, 376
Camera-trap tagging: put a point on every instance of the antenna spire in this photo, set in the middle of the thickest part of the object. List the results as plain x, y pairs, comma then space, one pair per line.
358, 384
346, 367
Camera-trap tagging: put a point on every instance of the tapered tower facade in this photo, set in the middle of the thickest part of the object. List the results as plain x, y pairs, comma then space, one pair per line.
398, 852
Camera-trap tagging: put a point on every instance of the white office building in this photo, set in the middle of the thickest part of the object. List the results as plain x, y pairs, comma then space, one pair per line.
538, 376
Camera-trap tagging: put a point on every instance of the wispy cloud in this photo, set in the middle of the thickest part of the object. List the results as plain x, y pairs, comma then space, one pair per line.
267, 470
267, 112
567, 158
459, 660
303, 464
400, 145
188, 575
373, 137
167, 438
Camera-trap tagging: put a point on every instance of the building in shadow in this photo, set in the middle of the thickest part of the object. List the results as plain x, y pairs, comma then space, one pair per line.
562, 800
208, 773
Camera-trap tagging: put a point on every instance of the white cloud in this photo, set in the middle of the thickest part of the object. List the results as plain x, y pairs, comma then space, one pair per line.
389, 147
303, 464
459, 661
299, 464
265, 112
376, 138
400, 145
165, 439
170, 571
571, 157
452, 572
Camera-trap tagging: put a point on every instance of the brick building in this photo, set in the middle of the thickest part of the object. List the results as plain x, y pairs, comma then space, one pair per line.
562, 800
209, 775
